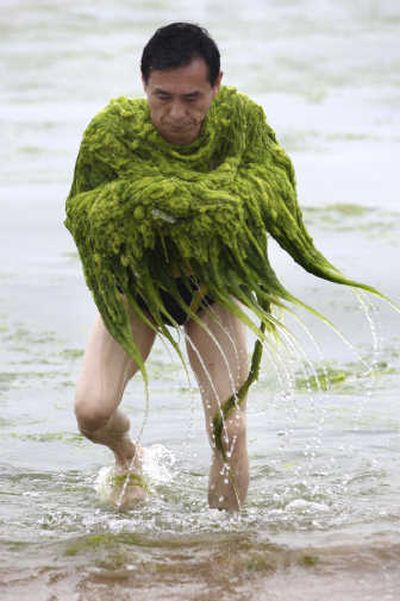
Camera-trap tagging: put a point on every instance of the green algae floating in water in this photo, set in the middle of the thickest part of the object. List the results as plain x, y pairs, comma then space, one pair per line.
8, 377
5, 423
330, 377
324, 379
109, 541
89, 543
309, 560
65, 437
73, 353
349, 209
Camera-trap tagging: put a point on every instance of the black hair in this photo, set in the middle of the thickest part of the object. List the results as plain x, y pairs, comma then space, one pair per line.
176, 45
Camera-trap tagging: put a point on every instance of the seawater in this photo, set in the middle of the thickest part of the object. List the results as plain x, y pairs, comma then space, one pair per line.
323, 509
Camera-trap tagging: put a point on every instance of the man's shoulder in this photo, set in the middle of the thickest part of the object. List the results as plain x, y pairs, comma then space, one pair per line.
119, 114
231, 94
124, 107
236, 103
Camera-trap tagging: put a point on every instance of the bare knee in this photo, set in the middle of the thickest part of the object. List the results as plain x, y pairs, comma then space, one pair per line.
91, 413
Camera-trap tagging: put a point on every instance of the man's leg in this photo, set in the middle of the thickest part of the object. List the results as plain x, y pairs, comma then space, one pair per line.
218, 356
105, 372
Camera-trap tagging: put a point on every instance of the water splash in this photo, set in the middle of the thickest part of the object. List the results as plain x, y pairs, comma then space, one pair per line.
158, 464
158, 468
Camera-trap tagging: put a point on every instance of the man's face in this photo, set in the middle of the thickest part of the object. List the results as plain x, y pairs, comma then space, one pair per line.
179, 100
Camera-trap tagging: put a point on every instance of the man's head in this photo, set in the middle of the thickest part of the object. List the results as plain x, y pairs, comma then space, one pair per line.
181, 77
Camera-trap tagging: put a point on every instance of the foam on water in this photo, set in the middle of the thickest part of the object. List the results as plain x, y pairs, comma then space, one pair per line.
158, 468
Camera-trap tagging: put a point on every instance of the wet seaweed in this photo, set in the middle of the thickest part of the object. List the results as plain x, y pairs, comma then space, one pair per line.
142, 210
205, 208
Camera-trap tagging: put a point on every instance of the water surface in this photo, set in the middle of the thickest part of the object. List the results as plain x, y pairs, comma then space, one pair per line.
323, 509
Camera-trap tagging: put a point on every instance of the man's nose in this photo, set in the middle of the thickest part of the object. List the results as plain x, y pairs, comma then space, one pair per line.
177, 110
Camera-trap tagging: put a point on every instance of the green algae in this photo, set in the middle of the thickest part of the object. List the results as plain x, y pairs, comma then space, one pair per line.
309, 560
5, 423
324, 379
339, 214
21, 377
89, 543
351, 137
268, 562
22, 339
8, 377
72, 353
15, 545
371, 221
230, 405
115, 560
129, 479
141, 210
350, 209
32, 150
259, 563
72, 256
341, 379
65, 437
111, 542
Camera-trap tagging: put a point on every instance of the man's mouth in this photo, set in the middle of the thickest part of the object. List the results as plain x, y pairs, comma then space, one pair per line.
179, 126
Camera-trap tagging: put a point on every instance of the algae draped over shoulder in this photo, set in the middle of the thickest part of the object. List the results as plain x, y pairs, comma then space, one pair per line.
142, 210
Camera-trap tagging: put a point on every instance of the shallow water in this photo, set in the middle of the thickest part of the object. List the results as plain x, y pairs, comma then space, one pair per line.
323, 511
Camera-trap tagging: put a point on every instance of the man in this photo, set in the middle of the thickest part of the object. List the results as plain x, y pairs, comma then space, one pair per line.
170, 207
181, 77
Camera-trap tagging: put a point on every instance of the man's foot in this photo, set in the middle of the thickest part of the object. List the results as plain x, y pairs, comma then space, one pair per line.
123, 486
121, 489
128, 486
127, 490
